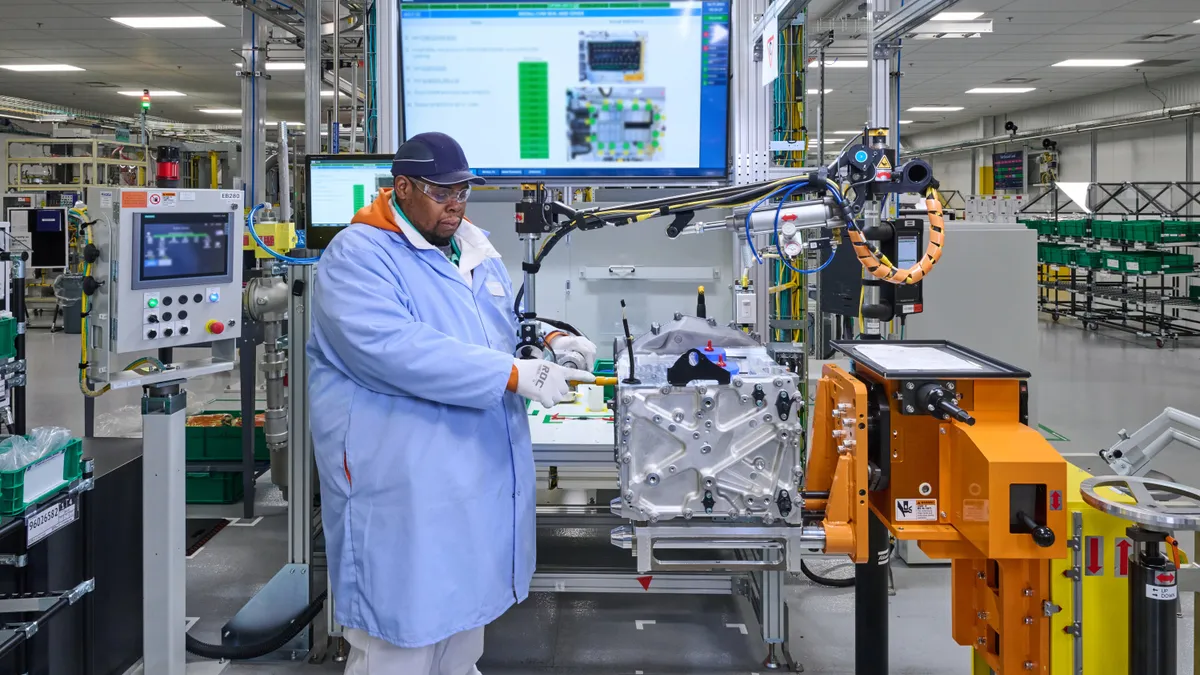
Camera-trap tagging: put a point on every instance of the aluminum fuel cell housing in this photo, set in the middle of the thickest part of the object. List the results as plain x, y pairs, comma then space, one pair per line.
703, 449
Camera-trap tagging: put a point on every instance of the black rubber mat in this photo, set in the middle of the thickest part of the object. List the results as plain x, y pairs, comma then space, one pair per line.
201, 530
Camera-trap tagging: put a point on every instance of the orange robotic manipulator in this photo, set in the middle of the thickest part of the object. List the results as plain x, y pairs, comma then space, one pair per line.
928, 441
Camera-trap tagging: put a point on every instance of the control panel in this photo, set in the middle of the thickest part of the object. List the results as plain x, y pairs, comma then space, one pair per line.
167, 269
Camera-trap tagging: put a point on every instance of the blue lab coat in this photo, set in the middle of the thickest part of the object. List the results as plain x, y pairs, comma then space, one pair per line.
425, 462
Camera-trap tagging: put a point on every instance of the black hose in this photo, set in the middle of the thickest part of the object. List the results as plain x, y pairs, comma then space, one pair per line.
848, 582
286, 632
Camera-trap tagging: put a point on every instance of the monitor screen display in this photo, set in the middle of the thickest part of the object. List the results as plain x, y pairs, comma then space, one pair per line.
577, 89
183, 246
340, 185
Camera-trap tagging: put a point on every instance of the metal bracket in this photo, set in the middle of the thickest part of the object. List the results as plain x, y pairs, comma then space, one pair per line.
1049, 609
10, 560
1074, 629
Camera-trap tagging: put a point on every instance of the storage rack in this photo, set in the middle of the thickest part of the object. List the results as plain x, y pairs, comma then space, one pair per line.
1124, 265
74, 164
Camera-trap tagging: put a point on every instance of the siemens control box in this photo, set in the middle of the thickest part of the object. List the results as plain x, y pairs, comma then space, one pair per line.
167, 268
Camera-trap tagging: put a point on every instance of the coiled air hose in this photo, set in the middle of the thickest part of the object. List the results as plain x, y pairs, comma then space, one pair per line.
825, 581
282, 636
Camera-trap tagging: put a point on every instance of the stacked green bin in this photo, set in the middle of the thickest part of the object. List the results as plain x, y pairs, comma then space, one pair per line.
1107, 229
8, 337
1114, 261
214, 488
1194, 293
1144, 231
222, 443
1180, 231
1156, 262
1054, 254
13, 499
1089, 259
1078, 227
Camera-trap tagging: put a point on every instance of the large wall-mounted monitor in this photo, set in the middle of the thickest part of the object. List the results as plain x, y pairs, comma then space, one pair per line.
541, 90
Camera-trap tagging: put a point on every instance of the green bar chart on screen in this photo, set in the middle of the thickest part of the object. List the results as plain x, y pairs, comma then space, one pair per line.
533, 83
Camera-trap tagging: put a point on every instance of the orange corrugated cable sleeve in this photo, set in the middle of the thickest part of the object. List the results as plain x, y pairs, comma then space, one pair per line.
933, 252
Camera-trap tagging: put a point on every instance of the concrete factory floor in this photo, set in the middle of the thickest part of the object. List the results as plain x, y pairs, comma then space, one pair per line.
1090, 385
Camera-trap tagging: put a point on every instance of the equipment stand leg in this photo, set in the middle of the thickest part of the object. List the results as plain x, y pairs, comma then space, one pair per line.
871, 604
1153, 591
164, 421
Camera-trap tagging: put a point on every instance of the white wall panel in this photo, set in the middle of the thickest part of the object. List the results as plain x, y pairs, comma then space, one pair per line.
953, 170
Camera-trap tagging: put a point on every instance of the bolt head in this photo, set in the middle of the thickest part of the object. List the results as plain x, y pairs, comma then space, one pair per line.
687, 514
696, 435
909, 409
767, 417
657, 418
1029, 665
664, 391
652, 479
981, 575
626, 458
705, 449
909, 386
981, 642
982, 616
950, 386
1029, 621
778, 382
737, 381
627, 399
1028, 592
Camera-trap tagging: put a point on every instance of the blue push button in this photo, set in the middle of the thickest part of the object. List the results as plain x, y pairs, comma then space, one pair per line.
860, 156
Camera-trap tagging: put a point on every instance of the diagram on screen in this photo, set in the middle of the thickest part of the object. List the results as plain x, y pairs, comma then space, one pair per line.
365, 194
612, 58
616, 124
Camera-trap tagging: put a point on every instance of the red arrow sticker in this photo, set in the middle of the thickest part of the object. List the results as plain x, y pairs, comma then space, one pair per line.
1056, 500
645, 582
1166, 578
1121, 559
1094, 549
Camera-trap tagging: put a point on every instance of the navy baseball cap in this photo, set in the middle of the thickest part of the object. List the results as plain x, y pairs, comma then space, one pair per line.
435, 158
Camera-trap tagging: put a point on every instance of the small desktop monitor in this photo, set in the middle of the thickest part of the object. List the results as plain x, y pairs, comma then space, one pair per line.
337, 187
612, 91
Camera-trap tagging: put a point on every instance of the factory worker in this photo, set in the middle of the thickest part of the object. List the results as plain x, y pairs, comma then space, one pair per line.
419, 422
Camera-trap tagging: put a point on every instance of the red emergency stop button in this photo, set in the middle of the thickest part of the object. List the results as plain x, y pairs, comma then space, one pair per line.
215, 327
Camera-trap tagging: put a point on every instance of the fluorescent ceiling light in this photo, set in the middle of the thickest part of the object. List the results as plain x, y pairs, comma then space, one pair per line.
167, 22
222, 111
905, 121
935, 108
327, 92
18, 117
843, 63
957, 16
814, 92
1097, 63
834, 140
849, 133
40, 67
1001, 90
279, 65
154, 93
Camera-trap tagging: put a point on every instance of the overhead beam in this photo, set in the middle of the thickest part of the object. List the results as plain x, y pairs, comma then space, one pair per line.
781, 10
906, 20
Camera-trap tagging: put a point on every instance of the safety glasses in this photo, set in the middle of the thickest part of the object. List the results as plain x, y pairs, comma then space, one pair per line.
442, 194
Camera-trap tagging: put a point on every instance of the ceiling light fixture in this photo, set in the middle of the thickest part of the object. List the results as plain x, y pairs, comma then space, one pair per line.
1001, 90
834, 140
327, 92
843, 63
167, 22
957, 16
279, 65
156, 93
1097, 63
41, 68
222, 111
17, 117
906, 121
935, 108
848, 133
814, 92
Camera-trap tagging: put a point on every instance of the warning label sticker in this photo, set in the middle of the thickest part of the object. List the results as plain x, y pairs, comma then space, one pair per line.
883, 163
133, 200
1162, 592
917, 510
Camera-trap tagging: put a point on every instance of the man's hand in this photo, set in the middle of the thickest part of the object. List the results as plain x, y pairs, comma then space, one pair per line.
562, 342
545, 381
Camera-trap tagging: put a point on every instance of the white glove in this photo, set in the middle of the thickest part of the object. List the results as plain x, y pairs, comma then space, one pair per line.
547, 382
575, 343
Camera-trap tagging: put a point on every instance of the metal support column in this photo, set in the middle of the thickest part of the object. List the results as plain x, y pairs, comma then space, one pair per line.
164, 421
19, 311
774, 619
247, 376
871, 604
254, 107
312, 78
336, 118
387, 75
285, 175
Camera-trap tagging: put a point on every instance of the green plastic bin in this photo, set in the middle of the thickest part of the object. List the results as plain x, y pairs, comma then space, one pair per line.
13, 497
1194, 293
1156, 262
1076, 227
1180, 231
222, 443
1107, 229
8, 337
1089, 259
214, 488
1114, 262
605, 368
1145, 231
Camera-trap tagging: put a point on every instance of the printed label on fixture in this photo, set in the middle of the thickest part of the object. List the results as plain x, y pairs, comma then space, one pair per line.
919, 510
133, 200
233, 196
1162, 592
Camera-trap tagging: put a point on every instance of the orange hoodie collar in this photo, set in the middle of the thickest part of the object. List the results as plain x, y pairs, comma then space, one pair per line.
379, 213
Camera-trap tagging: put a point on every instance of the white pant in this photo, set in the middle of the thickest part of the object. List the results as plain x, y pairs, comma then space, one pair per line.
456, 655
